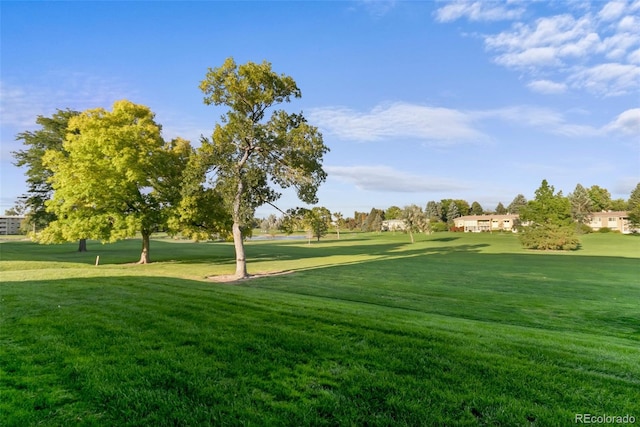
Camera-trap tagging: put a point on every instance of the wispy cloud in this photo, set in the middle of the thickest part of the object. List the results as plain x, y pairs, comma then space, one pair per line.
479, 11
627, 123
595, 48
387, 179
547, 86
377, 8
21, 104
445, 126
397, 120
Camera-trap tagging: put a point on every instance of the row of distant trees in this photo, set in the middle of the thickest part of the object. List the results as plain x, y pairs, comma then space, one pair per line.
550, 221
441, 214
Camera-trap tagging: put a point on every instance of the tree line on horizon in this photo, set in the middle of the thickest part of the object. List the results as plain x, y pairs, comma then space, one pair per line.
441, 214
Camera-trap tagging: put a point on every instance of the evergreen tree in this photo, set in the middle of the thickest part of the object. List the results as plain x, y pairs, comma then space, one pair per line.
518, 202
452, 212
549, 223
432, 211
500, 209
581, 205
476, 209
634, 208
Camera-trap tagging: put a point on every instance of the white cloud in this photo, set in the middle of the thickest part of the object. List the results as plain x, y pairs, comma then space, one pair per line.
448, 126
478, 11
627, 123
543, 119
547, 87
547, 43
612, 10
634, 57
397, 120
387, 179
610, 79
593, 48
22, 104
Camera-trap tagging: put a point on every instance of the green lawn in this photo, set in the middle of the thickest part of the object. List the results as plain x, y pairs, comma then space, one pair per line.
456, 329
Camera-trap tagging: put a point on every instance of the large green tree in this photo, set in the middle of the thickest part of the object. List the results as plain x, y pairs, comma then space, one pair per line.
634, 208
49, 136
250, 153
600, 198
547, 222
317, 221
115, 177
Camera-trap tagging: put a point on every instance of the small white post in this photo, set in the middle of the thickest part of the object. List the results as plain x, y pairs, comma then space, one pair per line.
97, 260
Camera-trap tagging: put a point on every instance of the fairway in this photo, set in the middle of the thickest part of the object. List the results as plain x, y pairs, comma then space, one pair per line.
455, 329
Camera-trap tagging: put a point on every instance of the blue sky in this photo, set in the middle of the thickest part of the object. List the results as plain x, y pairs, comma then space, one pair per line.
417, 100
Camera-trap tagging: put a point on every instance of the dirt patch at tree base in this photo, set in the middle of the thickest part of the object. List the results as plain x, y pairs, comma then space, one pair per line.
233, 279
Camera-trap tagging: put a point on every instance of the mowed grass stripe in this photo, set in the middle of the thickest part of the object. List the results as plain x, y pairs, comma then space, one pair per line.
350, 344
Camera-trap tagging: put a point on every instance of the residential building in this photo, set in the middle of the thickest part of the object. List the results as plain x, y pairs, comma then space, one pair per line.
615, 221
10, 224
478, 223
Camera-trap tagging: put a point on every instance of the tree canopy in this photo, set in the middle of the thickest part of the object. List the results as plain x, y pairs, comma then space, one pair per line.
248, 154
49, 137
115, 177
548, 222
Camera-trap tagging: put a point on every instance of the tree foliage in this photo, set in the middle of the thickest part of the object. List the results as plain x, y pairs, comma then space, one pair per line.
49, 137
549, 225
500, 209
115, 177
581, 204
516, 204
634, 208
476, 209
600, 198
317, 221
248, 153
373, 222
393, 212
415, 220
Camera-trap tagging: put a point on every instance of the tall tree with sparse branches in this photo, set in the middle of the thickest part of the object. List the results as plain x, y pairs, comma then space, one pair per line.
249, 153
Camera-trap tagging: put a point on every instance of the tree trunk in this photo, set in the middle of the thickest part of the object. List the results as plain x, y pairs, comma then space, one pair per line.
144, 256
411, 235
82, 245
241, 261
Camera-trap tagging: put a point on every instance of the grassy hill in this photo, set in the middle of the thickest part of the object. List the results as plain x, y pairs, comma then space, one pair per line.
456, 329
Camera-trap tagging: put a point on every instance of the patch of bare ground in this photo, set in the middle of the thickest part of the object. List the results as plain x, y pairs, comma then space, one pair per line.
232, 279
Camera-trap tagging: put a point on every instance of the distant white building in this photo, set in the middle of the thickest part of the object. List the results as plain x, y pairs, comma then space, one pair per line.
478, 223
10, 224
615, 221
393, 225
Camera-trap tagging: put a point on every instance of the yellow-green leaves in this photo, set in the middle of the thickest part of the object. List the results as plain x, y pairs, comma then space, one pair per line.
114, 175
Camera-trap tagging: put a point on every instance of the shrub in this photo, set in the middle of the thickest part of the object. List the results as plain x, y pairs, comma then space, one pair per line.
583, 229
438, 226
604, 230
549, 237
